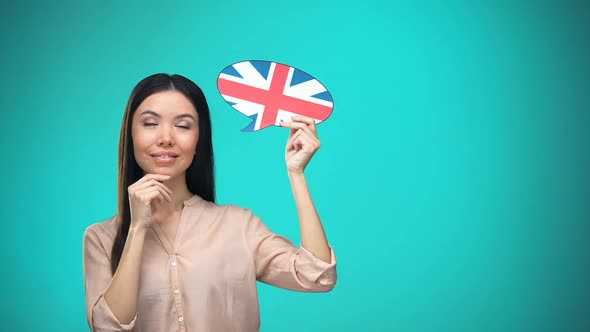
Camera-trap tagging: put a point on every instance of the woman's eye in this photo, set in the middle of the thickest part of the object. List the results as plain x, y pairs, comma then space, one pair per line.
151, 124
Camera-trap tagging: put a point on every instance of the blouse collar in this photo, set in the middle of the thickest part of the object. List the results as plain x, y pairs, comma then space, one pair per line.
193, 200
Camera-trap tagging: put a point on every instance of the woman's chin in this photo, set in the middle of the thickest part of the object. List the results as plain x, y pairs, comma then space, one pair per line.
159, 172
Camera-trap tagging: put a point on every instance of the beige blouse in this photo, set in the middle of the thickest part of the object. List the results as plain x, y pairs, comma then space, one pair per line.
206, 279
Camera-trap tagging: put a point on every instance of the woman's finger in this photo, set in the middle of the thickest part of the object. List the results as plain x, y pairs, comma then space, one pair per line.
311, 139
165, 194
150, 183
151, 192
307, 120
306, 141
299, 125
148, 177
297, 133
292, 139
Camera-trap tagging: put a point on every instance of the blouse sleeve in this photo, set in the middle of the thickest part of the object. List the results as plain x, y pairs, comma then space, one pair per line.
280, 263
97, 277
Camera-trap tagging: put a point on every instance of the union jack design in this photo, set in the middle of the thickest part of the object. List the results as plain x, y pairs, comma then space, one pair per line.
270, 92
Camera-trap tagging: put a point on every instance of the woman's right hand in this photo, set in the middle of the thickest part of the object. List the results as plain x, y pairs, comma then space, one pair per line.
141, 195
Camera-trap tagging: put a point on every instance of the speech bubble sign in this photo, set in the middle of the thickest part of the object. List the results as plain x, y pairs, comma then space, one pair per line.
270, 92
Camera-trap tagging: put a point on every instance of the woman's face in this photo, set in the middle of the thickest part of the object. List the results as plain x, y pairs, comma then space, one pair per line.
165, 131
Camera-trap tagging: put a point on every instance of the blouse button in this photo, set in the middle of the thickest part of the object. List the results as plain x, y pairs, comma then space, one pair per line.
177, 291
180, 319
173, 264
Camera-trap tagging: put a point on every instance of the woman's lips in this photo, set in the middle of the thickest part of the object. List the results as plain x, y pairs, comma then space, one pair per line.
163, 159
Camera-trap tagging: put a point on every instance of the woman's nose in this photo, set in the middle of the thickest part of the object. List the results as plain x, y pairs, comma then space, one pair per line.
165, 143
165, 139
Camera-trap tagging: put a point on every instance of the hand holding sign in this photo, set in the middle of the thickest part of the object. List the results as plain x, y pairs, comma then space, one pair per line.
303, 143
270, 92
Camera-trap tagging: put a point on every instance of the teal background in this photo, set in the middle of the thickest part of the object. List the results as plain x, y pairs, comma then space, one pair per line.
452, 181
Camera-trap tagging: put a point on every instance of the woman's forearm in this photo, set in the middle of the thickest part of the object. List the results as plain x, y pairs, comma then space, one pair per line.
313, 237
122, 294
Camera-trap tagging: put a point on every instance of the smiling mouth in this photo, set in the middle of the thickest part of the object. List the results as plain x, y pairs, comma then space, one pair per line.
164, 158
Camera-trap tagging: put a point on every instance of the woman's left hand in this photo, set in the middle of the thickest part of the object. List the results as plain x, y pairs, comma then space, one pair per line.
303, 143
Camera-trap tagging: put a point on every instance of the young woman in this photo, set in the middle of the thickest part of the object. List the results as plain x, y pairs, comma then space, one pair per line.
174, 260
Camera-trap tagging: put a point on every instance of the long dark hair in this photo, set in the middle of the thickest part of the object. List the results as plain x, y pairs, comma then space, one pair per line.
199, 176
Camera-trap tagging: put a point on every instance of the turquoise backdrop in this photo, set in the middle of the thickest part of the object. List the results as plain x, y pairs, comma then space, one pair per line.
453, 179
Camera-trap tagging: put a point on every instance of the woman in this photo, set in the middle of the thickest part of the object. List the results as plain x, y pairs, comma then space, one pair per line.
172, 259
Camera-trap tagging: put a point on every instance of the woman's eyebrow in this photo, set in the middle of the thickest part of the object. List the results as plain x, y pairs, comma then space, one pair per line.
151, 113
184, 115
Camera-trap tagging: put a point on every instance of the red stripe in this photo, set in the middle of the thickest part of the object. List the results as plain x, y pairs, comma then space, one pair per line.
274, 99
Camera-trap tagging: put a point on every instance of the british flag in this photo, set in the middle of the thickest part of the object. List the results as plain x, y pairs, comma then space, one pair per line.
270, 92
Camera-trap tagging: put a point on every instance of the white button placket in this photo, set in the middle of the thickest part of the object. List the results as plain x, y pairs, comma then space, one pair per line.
176, 290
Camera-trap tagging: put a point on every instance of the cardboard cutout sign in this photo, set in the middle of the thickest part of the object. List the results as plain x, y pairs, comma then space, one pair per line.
270, 92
